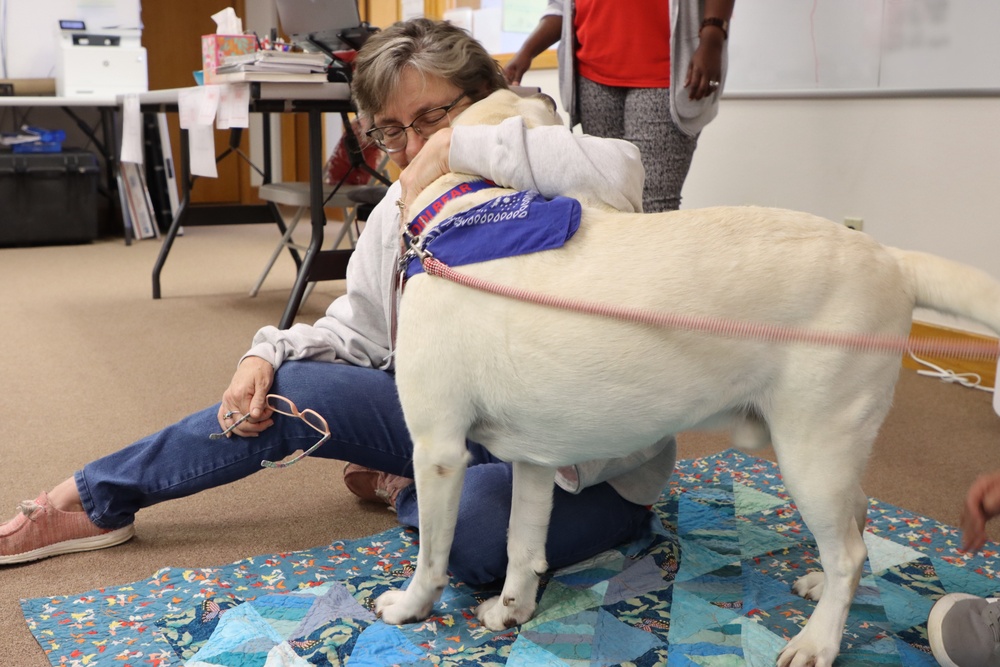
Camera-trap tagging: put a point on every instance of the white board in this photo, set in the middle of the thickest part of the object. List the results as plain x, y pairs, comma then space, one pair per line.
864, 45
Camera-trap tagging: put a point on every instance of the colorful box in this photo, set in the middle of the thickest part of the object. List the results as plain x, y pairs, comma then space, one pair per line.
216, 47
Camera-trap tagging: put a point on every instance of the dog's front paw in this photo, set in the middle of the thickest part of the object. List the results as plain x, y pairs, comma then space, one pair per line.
398, 607
810, 586
497, 616
803, 651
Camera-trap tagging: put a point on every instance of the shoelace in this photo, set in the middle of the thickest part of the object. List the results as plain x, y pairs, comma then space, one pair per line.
991, 614
29, 508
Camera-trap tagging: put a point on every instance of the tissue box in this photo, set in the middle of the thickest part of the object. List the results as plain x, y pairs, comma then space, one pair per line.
216, 47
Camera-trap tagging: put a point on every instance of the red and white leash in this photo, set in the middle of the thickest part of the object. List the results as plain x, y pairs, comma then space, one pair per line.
862, 342
878, 343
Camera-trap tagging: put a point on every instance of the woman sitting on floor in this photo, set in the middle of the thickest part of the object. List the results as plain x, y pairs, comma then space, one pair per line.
411, 80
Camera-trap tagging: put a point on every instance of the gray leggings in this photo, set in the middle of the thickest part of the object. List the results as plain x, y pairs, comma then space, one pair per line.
641, 116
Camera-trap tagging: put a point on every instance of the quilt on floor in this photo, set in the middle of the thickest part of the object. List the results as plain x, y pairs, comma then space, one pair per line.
710, 587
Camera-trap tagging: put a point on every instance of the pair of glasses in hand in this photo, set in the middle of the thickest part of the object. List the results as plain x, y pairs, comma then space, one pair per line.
284, 406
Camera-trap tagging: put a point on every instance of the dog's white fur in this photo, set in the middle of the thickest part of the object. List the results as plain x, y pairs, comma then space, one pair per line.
544, 388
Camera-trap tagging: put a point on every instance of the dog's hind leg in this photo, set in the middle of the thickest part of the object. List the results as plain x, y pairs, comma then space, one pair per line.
530, 512
810, 586
439, 463
823, 480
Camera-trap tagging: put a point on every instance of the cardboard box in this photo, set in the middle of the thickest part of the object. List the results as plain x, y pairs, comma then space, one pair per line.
216, 47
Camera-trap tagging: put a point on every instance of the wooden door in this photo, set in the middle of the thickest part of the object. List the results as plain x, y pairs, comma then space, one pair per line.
171, 33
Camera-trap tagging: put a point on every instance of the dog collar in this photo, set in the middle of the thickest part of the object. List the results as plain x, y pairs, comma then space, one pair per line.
410, 244
419, 223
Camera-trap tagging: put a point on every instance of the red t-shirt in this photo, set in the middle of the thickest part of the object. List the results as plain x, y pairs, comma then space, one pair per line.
623, 43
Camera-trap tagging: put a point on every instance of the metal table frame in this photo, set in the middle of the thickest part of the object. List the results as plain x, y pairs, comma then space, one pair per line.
313, 99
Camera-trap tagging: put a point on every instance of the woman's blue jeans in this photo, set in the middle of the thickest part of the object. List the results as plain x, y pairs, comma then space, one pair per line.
362, 408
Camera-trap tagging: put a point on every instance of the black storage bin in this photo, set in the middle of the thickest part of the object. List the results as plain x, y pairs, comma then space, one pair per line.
48, 198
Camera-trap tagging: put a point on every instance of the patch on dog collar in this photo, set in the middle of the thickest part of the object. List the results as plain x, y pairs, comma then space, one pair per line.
513, 224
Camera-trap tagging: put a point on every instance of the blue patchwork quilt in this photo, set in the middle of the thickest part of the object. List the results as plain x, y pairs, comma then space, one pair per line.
710, 587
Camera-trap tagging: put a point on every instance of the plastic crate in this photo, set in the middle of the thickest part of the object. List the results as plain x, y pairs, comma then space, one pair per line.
48, 198
38, 147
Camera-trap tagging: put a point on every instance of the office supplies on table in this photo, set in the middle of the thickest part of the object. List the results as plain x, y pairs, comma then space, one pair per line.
330, 27
330, 23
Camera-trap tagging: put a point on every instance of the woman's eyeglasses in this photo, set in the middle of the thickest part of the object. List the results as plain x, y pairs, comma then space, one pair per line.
284, 406
392, 138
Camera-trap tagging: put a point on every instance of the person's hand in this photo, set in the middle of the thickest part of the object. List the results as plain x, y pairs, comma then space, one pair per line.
982, 503
426, 166
516, 68
706, 65
247, 393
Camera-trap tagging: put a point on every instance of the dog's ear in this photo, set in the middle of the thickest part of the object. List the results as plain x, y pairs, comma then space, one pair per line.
546, 100
539, 109
491, 110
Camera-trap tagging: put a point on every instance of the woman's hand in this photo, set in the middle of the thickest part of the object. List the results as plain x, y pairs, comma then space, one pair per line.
247, 393
516, 68
982, 503
706, 64
429, 164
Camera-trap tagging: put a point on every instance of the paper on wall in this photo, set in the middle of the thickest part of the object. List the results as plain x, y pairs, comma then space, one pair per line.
412, 9
486, 28
460, 17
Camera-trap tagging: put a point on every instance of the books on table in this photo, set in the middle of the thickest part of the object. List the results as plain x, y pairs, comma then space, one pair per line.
274, 61
284, 77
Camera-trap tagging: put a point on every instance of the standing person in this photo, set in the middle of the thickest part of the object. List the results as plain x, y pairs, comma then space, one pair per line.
649, 72
411, 79
963, 629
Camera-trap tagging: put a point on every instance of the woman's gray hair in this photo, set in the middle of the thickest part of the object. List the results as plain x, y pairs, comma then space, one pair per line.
434, 48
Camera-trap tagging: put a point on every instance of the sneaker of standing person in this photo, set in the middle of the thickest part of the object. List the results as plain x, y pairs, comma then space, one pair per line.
964, 631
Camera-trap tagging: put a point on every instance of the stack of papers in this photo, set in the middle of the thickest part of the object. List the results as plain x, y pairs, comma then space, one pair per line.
274, 61
285, 66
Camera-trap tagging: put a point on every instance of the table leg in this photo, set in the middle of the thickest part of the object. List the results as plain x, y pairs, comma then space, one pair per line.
317, 214
168, 240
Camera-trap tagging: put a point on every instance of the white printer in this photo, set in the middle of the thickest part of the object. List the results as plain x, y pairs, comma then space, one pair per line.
100, 63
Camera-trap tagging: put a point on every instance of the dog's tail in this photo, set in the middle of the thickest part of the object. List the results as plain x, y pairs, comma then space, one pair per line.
952, 287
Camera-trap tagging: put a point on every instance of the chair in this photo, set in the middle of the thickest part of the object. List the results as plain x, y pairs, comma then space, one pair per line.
356, 201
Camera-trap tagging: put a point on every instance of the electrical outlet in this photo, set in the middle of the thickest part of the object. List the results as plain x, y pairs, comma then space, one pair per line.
857, 224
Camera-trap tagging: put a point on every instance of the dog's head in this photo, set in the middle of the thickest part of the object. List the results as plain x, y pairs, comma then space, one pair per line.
536, 110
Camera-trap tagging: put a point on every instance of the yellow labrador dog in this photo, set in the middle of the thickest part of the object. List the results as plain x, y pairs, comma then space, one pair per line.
544, 387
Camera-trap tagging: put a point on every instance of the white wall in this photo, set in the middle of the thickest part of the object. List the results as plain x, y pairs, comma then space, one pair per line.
31, 29
923, 173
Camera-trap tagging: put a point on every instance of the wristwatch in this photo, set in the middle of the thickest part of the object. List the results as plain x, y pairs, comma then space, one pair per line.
721, 24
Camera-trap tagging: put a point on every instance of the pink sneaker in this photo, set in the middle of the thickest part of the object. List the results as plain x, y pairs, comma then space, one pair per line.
40, 531
369, 484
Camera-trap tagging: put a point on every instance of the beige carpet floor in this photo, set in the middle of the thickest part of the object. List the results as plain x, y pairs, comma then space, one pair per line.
90, 362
